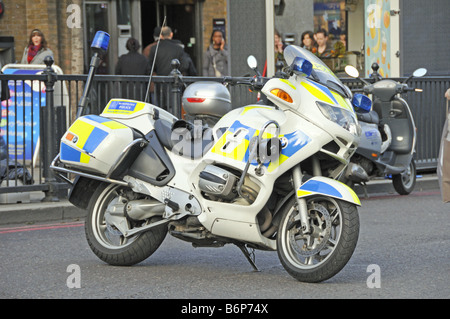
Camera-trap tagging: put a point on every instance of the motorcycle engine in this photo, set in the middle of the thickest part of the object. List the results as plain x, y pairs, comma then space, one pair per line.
218, 183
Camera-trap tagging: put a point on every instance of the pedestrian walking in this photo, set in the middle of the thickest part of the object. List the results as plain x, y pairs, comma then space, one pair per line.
156, 33
132, 63
168, 50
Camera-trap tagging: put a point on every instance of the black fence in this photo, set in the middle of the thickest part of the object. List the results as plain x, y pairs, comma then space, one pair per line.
30, 133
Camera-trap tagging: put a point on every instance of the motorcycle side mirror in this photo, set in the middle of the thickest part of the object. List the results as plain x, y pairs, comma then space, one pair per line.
361, 103
252, 62
352, 71
420, 72
417, 74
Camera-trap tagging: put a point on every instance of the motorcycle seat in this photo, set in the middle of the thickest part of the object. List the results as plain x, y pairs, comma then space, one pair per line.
370, 117
183, 138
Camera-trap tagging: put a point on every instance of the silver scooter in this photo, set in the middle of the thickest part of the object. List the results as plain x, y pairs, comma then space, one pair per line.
388, 136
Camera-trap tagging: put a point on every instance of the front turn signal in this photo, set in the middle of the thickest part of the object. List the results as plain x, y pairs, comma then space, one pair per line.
282, 95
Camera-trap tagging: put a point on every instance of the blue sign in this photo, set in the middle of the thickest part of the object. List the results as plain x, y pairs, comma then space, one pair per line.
19, 123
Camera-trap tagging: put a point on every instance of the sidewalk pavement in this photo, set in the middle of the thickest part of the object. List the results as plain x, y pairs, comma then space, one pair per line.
38, 211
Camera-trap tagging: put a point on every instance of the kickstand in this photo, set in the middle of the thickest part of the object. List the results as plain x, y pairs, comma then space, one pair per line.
249, 255
364, 187
366, 194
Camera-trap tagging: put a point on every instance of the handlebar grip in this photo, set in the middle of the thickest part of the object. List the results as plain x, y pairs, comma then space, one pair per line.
412, 90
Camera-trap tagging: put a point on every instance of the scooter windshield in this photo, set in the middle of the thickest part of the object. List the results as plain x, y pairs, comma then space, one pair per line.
320, 73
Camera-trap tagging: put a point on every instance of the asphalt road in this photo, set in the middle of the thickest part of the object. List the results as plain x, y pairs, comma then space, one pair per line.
403, 252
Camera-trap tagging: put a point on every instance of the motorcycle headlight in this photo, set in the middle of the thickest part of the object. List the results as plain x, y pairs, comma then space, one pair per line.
340, 116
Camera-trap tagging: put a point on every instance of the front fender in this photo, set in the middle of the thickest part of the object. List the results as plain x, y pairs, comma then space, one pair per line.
329, 187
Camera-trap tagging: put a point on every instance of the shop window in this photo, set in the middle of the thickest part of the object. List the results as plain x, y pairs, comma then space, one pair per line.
331, 16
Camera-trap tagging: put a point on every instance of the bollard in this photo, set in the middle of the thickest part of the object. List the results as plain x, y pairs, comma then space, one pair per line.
47, 132
176, 88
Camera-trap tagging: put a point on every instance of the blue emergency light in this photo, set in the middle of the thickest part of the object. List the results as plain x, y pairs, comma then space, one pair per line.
302, 66
361, 103
101, 41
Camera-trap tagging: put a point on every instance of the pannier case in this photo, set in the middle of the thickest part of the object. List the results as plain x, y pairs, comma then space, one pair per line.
94, 143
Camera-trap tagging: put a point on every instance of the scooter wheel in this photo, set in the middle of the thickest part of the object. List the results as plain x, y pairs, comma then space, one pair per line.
404, 183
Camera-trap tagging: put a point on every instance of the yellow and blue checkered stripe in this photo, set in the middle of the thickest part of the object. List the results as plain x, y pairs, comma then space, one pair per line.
312, 186
295, 141
324, 94
88, 138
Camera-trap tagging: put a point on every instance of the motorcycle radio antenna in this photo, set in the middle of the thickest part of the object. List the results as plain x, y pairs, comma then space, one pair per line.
154, 59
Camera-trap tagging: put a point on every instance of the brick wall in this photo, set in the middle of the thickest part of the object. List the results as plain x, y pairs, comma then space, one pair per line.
14, 24
22, 16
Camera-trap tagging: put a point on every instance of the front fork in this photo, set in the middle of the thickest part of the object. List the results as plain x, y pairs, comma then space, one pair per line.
301, 202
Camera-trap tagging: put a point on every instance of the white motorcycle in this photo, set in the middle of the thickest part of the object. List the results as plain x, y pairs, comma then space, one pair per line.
264, 177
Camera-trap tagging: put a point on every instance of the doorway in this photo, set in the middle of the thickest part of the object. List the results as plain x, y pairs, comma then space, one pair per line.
97, 18
181, 18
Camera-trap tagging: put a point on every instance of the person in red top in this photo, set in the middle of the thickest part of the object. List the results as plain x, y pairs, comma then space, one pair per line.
37, 49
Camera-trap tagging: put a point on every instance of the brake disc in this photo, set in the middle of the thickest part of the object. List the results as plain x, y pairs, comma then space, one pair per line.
307, 245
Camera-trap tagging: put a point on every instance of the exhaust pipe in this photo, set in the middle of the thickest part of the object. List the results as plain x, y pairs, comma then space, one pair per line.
144, 209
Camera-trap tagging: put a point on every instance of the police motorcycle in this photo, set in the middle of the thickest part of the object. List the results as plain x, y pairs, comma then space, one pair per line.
264, 177
388, 135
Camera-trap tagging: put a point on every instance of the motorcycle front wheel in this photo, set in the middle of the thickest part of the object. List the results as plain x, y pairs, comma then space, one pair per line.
404, 183
322, 253
106, 241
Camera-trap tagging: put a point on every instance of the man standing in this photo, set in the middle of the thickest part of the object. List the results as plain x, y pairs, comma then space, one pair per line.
323, 47
168, 50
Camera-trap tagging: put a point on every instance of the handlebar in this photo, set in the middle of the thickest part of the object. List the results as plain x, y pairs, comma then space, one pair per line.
385, 87
256, 82
376, 87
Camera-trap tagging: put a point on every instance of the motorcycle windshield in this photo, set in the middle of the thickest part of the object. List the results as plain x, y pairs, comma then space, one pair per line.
320, 73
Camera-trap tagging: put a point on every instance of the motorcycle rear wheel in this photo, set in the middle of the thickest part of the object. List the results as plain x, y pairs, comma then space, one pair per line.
108, 243
323, 253
404, 183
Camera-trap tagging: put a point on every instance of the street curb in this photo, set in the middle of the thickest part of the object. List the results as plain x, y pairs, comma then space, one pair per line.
385, 186
63, 210
39, 212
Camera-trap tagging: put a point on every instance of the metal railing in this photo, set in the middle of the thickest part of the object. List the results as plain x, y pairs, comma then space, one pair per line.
44, 123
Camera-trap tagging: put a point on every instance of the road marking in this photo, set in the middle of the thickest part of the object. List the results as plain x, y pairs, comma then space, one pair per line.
19, 229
